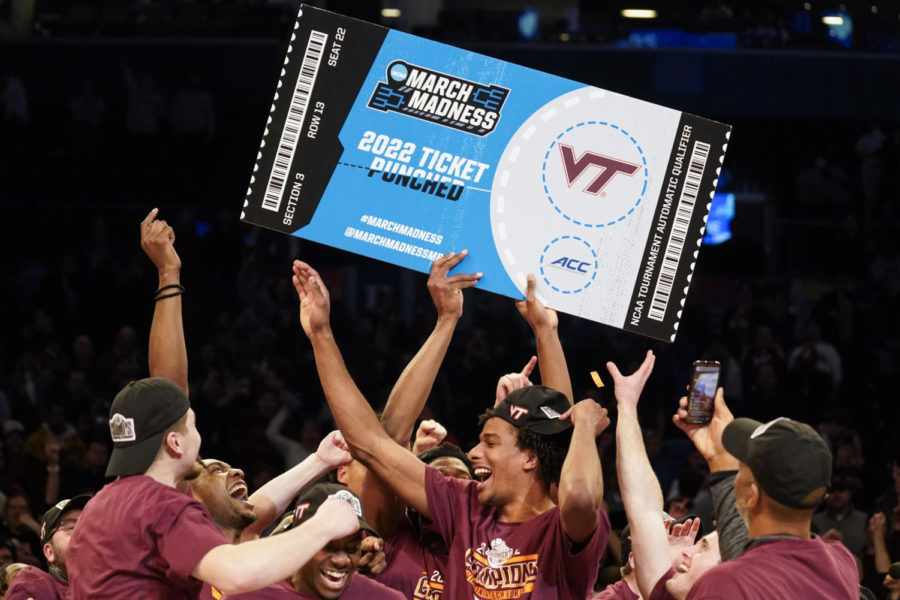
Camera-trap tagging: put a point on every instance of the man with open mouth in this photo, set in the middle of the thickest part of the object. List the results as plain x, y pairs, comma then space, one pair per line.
222, 489
507, 536
140, 536
329, 574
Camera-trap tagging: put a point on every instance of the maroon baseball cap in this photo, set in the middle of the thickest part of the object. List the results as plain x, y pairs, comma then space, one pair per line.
536, 408
789, 459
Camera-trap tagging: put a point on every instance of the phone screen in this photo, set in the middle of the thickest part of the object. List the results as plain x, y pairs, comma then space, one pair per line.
704, 382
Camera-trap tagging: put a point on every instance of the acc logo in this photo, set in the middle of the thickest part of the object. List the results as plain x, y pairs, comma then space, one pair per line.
517, 412
568, 264
439, 98
595, 174
571, 264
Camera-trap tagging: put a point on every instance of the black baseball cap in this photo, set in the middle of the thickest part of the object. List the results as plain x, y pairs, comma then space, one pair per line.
313, 497
52, 516
789, 460
536, 408
140, 415
446, 449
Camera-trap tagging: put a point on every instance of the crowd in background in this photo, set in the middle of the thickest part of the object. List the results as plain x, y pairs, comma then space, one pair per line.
822, 350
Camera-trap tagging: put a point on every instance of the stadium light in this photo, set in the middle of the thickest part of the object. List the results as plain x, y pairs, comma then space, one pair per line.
638, 13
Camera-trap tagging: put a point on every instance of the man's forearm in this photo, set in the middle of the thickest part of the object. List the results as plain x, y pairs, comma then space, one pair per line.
731, 527
351, 411
552, 361
167, 354
581, 485
882, 558
362, 431
643, 502
278, 492
414, 385
239, 568
637, 481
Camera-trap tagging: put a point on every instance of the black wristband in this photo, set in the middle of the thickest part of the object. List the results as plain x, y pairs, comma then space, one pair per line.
172, 295
171, 286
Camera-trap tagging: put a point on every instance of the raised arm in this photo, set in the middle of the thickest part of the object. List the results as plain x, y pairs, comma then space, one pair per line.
722, 470
544, 323
411, 391
167, 353
581, 478
239, 568
368, 441
407, 399
640, 489
270, 501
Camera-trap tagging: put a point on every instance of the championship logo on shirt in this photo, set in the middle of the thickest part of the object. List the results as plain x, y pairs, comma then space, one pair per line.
429, 589
499, 572
439, 98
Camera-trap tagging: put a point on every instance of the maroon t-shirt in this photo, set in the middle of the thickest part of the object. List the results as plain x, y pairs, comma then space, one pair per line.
616, 591
783, 569
138, 538
489, 559
31, 582
359, 588
413, 568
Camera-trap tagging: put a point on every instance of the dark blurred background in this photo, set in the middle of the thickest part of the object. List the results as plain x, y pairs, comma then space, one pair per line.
108, 109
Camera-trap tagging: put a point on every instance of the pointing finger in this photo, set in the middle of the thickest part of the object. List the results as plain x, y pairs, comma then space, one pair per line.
529, 366
150, 216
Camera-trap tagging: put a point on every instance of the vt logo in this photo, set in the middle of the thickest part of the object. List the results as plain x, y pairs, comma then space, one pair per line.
609, 168
516, 412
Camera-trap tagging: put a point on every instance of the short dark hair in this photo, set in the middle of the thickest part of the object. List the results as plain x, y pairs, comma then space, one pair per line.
551, 450
449, 450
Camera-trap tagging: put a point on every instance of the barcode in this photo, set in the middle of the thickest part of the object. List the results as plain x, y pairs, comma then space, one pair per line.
294, 122
679, 232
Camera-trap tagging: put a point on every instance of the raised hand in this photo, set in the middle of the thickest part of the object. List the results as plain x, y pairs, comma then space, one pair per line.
446, 292
628, 389
533, 310
158, 243
429, 434
315, 303
876, 524
708, 438
337, 517
333, 450
514, 381
682, 535
589, 413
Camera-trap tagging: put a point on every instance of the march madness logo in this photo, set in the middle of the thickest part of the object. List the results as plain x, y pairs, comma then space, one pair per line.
440, 98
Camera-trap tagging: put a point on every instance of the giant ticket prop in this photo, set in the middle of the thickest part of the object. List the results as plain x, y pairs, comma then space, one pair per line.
403, 149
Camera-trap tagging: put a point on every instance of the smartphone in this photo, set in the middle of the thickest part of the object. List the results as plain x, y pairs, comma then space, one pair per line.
704, 381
